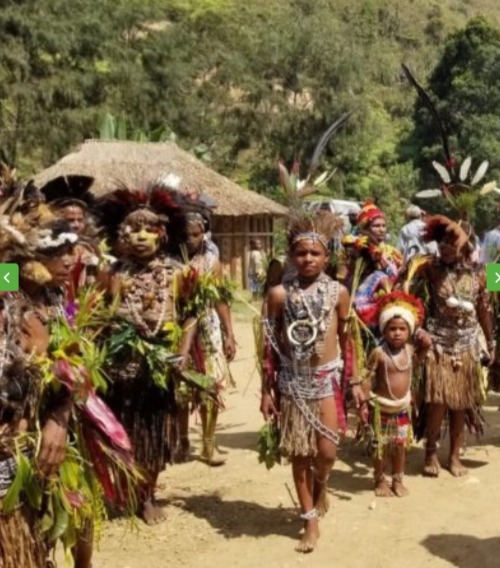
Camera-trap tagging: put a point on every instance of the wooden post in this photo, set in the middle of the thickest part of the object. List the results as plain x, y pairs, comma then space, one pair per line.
245, 252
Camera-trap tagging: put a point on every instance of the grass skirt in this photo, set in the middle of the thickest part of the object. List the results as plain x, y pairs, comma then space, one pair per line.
146, 412
21, 543
457, 387
298, 436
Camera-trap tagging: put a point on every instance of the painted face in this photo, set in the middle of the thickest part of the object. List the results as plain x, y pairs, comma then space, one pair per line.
448, 253
378, 230
143, 242
59, 264
194, 237
142, 233
396, 333
75, 216
309, 258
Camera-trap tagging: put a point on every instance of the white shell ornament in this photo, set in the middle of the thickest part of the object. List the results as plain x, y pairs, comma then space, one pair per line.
467, 306
452, 302
302, 333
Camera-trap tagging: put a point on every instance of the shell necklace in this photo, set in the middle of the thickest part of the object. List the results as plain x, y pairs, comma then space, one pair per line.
139, 320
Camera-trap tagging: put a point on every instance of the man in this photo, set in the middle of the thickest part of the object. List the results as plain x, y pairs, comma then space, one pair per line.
410, 241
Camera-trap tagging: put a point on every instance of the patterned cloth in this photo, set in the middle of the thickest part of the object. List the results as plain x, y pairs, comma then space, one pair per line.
393, 428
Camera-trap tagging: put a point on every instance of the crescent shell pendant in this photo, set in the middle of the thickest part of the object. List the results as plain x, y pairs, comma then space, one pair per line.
311, 324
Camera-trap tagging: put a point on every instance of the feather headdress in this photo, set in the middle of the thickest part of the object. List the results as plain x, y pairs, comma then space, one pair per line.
440, 228
402, 305
69, 190
459, 183
322, 226
159, 200
296, 188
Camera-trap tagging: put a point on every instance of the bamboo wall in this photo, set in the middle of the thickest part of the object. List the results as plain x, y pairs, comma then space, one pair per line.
233, 234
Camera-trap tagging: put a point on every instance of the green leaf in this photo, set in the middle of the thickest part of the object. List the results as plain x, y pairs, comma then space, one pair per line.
107, 127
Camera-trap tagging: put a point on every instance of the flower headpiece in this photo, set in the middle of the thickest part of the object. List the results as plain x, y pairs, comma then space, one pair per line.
368, 213
398, 304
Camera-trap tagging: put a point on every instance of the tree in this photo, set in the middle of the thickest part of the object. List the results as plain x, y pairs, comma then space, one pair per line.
465, 87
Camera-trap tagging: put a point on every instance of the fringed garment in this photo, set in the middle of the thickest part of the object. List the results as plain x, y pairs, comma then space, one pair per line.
21, 543
299, 422
453, 372
146, 412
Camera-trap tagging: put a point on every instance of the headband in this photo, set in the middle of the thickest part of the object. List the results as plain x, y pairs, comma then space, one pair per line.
311, 236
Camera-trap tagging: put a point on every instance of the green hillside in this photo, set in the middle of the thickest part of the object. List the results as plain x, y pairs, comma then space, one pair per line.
239, 83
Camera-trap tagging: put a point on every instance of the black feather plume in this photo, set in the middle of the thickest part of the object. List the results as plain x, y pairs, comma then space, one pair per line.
432, 109
323, 141
65, 190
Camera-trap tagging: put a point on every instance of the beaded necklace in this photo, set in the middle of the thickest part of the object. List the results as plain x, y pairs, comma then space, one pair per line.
401, 368
138, 320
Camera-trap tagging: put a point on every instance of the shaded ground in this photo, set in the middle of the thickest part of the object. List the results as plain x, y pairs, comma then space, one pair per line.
241, 516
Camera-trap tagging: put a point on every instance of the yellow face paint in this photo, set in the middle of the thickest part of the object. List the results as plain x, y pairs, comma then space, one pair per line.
143, 243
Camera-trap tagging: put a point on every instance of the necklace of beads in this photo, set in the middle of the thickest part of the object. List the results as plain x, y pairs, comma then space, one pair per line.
139, 320
406, 367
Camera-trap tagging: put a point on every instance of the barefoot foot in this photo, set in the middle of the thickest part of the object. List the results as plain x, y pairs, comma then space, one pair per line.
457, 469
431, 465
382, 488
151, 514
310, 537
398, 488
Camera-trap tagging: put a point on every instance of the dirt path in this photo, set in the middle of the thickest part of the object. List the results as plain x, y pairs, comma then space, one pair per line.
241, 516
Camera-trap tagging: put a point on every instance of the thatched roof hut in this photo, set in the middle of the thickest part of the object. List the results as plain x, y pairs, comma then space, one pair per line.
112, 163
241, 214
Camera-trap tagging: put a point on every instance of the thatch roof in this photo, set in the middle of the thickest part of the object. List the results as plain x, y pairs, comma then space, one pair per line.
116, 163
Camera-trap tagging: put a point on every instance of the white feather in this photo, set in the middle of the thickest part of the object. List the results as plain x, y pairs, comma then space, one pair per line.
429, 193
481, 172
465, 168
444, 174
172, 181
488, 187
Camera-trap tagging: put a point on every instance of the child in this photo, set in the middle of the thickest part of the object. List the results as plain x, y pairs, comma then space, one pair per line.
390, 367
306, 336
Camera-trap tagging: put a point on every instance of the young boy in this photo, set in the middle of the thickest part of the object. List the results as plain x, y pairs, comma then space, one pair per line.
390, 369
305, 329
